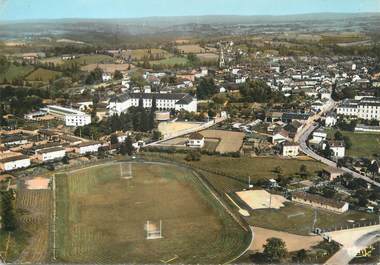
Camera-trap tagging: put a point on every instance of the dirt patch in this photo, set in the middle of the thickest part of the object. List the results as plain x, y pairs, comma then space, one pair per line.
229, 141
38, 183
168, 128
261, 199
293, 242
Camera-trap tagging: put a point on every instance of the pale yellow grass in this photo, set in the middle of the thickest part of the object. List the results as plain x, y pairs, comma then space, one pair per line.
229, 141
170, 128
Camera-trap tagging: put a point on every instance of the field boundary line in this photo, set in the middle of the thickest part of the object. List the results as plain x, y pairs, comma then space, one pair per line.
54, 218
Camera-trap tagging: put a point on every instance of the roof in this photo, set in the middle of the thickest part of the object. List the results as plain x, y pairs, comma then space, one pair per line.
84, 144
295, 116
50, 150
287, 143
335, 143
158, 96
13, 158
318, 199
196, 136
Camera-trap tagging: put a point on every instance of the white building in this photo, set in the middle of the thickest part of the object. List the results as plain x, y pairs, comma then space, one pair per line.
290, 149
366, 108
50, 154
166, 101
72, 117
318, 136
106, 77
15, 162
337, 147
330, 120
87, 148
196, 140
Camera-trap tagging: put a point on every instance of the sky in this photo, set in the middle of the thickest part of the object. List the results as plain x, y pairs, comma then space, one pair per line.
53, 9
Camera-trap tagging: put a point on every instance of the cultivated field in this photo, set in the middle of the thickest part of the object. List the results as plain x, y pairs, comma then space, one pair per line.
229, 141
139, 54
15, 72
101, 213
208, 57
44, 75
190, 48
170, 61
109, 68
34, 206
82, 60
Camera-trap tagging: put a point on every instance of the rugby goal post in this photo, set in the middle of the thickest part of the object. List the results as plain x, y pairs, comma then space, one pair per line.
153, 230
126, 173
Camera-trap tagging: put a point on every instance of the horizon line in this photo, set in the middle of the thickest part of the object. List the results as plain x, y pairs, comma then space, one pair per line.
192, 16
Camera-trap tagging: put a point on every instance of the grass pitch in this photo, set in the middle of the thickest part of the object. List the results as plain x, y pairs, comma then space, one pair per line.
101, 217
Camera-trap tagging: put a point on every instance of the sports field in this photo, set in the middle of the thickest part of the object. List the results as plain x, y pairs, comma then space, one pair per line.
102, 211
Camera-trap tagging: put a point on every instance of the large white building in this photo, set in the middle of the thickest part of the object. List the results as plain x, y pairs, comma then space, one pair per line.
72, 117
164, 101
51, 153
87, 148
14, 162
366, 108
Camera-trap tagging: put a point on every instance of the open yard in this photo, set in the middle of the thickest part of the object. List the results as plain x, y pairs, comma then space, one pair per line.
102, 211
44, 75
190, 48
229, 141
155, 54
363, 144
171, 128
298, 219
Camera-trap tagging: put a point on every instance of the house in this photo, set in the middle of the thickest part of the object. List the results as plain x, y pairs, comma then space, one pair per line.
106, 77
330, 119
292, 116
290, 149
51, 153
337, 148
367, 108
14, 162
87, 147
280, 136
196, 140
319, 136
331, 173
317, 201
72, 117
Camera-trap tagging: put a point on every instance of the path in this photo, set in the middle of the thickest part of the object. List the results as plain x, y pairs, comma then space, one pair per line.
352, 241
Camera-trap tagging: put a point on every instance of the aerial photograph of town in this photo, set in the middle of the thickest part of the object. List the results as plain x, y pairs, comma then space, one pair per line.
190, 132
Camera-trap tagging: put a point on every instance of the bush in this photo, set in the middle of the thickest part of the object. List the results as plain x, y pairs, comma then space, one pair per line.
193, 155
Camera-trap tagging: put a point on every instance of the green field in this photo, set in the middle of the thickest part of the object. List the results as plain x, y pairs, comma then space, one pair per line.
101, 217
170, 61
256, 167
298, 219
15, 72
43, 75
363, 144
139, 54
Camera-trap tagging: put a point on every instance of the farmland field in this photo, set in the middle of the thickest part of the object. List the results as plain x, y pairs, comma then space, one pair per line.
82, 60
15, 72
139, 54
101, 217
44, 75
170, 61
190, 48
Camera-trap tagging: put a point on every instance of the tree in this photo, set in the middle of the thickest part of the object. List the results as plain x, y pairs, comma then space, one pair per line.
114, 139
278, 170
156, 135
338, 136
65, 160
300, 256
373, 168
117, 75
347, 142
206, 88
193, 155
275, 250
303, 171
127, 147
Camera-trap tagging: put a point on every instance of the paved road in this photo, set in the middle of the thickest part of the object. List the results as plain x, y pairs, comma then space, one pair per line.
353, 241
309, 127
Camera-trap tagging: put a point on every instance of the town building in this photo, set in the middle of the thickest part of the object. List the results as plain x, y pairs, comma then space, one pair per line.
50, 154
330, 120
164, 101
196, 140
290, 149
320, 202
337, 147
87, 148
367, 108
14, 162
319, 136
72, 117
